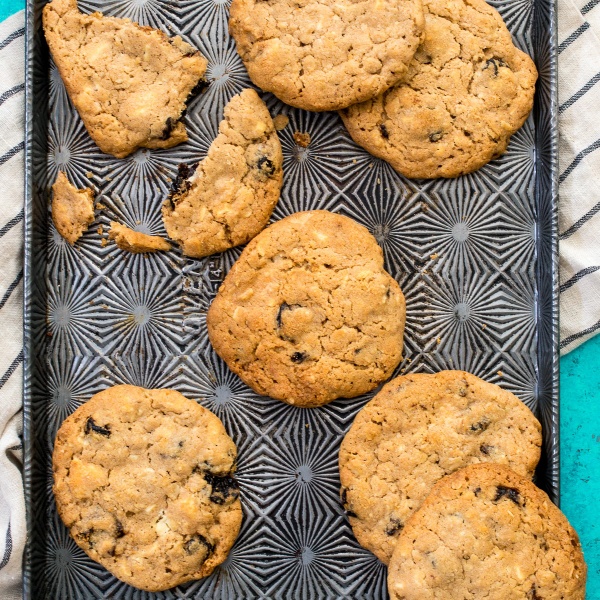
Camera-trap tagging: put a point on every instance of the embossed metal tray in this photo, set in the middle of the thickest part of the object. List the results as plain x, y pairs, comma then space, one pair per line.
476, 258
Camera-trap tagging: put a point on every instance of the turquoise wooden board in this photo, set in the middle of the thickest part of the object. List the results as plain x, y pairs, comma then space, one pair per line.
10, 7
580, 451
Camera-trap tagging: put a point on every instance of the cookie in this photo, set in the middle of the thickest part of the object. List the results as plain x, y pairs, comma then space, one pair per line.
468, 89
72, 209
134, 241
227, 198
308, 313
128, 83
326, 55
486, 533
415, 431
143, 480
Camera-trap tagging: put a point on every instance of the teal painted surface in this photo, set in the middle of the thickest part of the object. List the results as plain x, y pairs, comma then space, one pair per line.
9, 7
580, 452
580, 432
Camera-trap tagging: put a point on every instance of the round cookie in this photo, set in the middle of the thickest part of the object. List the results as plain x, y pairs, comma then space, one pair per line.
143, 480
468, 89
308, 314
487, 533
415, 431
227, 198
325, 55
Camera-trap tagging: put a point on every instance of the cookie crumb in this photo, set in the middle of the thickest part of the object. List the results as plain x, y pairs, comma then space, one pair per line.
302, 138
133, 241
280, 122
72, 208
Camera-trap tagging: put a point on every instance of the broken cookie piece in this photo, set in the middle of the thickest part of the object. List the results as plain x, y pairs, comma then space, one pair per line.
72, 209
227, 199
128, 83
134, 241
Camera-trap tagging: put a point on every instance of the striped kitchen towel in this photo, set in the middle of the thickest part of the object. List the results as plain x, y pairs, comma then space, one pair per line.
579, 99
12, 102
579, 180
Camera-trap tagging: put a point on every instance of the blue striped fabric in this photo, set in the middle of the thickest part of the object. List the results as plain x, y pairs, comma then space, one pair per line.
12, 97
579, 153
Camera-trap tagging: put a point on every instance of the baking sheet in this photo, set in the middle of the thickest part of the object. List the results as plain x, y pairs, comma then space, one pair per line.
476, 258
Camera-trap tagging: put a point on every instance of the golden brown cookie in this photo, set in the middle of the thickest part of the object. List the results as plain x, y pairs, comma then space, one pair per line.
72, 209
143, 480
134, 241
417, 429
308, 313
325, 55
486, 533
468, 89
227, 198
128, 83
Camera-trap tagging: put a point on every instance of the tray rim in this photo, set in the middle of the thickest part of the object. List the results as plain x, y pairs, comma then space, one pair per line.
552, 288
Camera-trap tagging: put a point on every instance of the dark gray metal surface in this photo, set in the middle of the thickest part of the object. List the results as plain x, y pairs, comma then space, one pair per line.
476, 258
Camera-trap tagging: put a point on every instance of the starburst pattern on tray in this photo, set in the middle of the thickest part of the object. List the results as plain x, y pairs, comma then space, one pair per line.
304, 558
206, 18
142, 312
226, 77
457, 233
151, 13
59, 102
391, 218
517, 14
519, 233
206, 378
71, 150
71, 383
145, 172
519, 377
148, 370
74, 314
311, 160
463, 314
141, 213
201, 280
518, 330
514, 171
87, 252
301, 473
70, 573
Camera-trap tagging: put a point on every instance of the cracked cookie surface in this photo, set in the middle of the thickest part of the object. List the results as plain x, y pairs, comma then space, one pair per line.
128, 83
415, 431
487, 533
143, 480
324, 55
308, 313
468, 89
72, 209
227, 198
